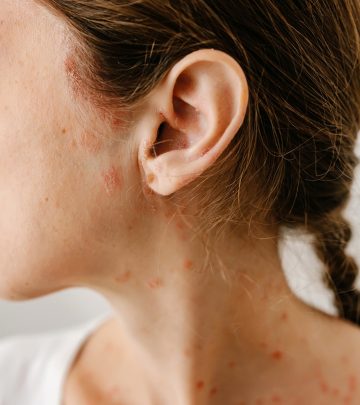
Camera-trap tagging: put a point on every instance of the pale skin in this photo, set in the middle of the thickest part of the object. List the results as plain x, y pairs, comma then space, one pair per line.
79, 211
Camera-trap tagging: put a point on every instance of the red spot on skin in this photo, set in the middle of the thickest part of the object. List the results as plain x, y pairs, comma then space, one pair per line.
188, 264
344, 359
259, 401
155, 282
198, 346
284, 316
73, 75
324, 387
277, 355
112, 180
231, 364
89, 142
116, 122
352, 383
123, 277
347, 399
335, 392
200, 385
213, 391
276, 398
263, 345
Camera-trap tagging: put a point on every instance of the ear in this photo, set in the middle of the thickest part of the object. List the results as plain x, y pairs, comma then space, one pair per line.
193, 115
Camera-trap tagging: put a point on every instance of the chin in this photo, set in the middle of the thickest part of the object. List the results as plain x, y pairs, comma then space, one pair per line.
22, 291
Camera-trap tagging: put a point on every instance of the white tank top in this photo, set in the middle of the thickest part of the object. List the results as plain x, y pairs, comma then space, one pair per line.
33, 367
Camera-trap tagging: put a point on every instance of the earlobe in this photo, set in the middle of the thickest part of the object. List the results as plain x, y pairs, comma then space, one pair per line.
199, 108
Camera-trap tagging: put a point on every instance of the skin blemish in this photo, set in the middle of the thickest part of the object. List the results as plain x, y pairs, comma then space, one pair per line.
112, 180
89, 142
213, 391
277, 355
259, 401
188, 264
284, 316
324, 387
276, 399
263, 344
63, 131
352, 383
347, 399
150, 178
155, 282
123, 277
200, 385
335, 392
231, 364
73, 75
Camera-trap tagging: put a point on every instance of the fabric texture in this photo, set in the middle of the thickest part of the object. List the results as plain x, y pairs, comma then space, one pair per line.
33, 367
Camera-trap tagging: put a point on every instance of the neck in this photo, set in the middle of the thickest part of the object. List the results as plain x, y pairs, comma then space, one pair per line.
195, 327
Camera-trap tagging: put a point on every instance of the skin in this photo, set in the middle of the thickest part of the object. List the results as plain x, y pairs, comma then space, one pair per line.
83, 205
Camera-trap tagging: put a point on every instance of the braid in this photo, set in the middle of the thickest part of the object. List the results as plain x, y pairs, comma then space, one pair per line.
332, 235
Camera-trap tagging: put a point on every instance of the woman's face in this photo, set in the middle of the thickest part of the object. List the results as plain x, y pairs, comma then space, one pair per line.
60, 188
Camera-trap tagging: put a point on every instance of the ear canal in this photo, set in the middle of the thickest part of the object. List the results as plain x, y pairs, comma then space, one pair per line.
203, 103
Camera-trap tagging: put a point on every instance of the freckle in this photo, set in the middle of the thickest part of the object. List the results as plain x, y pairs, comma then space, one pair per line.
111, 179
188, 264
231, 364
284, 316
46, 199
63, 131
213, 391
277, 355
200, 385
155, 282
123, 277
198, 346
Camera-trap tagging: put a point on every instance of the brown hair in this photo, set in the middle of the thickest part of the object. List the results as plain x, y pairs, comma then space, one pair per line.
295, 149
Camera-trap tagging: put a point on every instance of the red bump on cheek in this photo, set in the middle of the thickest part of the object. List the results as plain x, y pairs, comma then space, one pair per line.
112, 180
213, 391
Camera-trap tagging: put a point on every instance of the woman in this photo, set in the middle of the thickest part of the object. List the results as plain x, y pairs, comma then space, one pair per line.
153, 151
